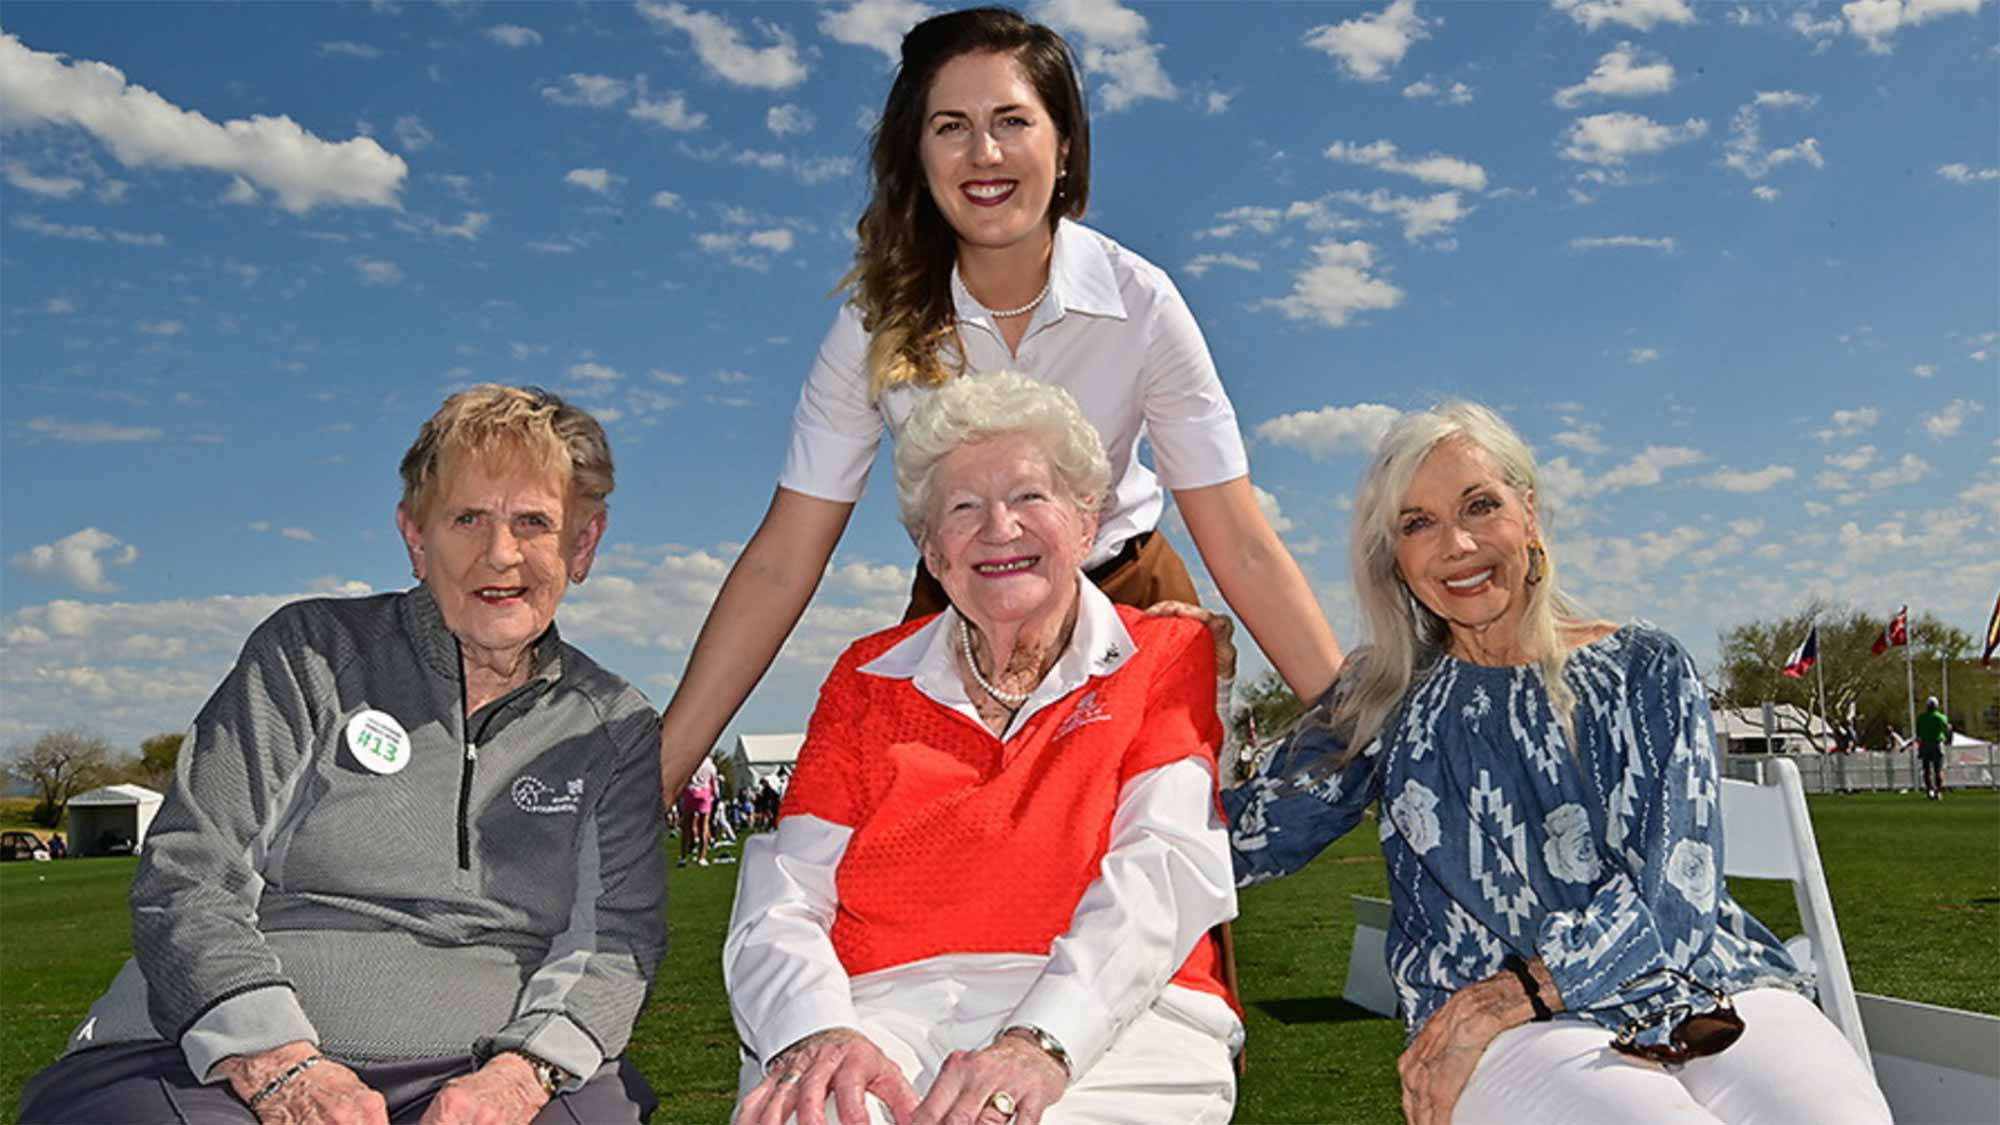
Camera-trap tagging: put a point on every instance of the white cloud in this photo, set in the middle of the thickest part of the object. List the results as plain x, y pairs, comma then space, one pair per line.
298, 535
143, 130
876, 24
1639, 15
376, 271
49, 187
1369, 47
1908, 470
1273, 514
1638, 356
1947, 422
1202, 263
1436, 168
1847, 423
78, 559
788, 120
513, 35
1744, 151
1623, 242
670, 112
1422, 217
1923, 370
92, 433
1458, 93
1611, 139
1648, 467
590, 91
86, 233
1984, 494
1956, 173
721, 47
1583, 439
161, 327
1612, 560
1216, 102
747, 250
666, 201
347, 48
598, 180
591, 372
1331, 430
1115, 49
412, 134
1742, 15
1752, 480
1854, 460
57, 306
1821, 32
1876, 22
1338, 285
1620, 74
468, 227
1766, 193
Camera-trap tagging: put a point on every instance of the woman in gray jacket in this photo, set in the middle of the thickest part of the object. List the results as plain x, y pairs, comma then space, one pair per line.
411, 865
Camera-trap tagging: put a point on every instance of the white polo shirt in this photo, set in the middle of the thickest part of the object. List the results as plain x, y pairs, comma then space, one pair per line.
1113, 332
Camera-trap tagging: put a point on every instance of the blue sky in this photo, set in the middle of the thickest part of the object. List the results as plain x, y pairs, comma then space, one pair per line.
1731, 268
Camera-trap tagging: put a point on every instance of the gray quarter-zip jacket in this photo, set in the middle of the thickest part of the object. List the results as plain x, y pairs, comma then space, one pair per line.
504, 887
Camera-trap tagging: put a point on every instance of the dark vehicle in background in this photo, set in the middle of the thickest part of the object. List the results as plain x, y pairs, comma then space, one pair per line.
16, 844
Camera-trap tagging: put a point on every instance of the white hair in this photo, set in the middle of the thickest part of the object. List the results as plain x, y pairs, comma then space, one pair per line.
975, 408
1405, 637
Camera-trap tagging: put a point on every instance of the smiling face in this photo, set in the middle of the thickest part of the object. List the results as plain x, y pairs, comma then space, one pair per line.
990, 151
497, 549
1462, 536
1004, 538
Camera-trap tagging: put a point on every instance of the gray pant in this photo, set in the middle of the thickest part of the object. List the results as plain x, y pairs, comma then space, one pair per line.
149, 1083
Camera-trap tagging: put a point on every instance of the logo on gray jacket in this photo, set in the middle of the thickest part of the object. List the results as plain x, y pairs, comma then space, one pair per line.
533, 795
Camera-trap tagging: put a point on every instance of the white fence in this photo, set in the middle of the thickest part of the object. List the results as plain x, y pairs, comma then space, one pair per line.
1835, 773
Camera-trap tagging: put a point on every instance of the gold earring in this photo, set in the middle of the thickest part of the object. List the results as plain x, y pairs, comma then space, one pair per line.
1538, 563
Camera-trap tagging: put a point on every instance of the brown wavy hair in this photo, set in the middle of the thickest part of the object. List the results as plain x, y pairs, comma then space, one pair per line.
901, 278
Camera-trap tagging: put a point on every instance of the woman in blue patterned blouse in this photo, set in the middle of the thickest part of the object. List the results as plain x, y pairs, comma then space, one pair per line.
1562, 946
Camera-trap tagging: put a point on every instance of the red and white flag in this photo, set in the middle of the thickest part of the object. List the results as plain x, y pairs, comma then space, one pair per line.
1804, 656
1897, 633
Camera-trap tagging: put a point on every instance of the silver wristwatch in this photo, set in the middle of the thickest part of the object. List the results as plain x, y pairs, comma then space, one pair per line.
547, 1073
1042, 1039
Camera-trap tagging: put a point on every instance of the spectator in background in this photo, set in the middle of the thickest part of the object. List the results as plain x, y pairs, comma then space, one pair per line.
57, 849
696, 804
1933, 734
767, 805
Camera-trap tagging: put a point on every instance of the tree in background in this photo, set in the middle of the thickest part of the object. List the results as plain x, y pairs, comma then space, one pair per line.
1753, 658
59, 765
154, 767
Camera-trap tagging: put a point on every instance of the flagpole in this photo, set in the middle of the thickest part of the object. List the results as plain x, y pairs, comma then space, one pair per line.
1819, 674
1910, 688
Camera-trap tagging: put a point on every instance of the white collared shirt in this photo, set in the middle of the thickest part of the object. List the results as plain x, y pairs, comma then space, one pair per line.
1114, 332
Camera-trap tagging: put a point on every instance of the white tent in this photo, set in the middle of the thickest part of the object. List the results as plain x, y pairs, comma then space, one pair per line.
110, 813
1741, 729
760, 756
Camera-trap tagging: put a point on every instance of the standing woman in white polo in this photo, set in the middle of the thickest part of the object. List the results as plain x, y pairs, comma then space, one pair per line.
969, 261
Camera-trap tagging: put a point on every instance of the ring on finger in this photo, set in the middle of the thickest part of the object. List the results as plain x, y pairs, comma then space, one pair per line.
1003, 1104
787, 1077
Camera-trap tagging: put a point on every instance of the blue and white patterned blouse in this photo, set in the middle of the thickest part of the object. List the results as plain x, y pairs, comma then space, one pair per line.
1498, 841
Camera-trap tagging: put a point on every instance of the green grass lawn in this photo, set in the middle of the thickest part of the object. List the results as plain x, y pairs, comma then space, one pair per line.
1916, 885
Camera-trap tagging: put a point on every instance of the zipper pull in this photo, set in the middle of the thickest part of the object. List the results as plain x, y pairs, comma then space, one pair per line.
471, 752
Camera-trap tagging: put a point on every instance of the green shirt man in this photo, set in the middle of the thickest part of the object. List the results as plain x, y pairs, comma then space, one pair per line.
1933, 729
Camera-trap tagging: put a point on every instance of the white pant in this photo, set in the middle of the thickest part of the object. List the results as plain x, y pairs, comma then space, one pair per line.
1791, 1065
1171, 1064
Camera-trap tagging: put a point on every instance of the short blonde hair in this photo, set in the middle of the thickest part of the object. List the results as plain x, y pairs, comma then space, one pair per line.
981, 407
527, 423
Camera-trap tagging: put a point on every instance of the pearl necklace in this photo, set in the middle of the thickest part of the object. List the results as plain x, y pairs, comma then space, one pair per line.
1009, 698
1009, 314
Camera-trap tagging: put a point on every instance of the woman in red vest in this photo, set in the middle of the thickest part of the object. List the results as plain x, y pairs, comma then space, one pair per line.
991, 887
